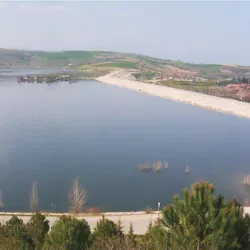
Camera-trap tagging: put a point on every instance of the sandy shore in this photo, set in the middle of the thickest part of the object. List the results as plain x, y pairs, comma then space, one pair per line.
119, 78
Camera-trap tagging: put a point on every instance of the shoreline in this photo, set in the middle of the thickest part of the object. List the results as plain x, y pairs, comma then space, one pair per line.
246, 210
140, 219
224, 105
132, 213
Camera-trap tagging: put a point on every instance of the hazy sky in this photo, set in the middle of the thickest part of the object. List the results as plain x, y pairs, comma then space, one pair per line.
213, 32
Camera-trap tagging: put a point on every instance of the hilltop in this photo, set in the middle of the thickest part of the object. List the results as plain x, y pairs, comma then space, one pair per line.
101, 62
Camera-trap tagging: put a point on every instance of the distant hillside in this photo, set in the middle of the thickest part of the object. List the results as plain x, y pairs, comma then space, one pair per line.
101, 61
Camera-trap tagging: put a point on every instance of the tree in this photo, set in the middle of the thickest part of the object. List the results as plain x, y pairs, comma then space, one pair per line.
77, 197
204, 220
68, 234
120, 229
34, 199
38, 227
106, 228
156, 238
105, 234
131, 237
1, 200
14, 234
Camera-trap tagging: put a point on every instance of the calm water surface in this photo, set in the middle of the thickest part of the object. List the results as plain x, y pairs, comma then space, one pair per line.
101, 133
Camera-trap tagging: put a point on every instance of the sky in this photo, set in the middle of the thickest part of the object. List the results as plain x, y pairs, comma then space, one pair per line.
201, 32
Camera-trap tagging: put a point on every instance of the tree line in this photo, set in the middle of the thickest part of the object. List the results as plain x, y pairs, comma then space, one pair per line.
199, 219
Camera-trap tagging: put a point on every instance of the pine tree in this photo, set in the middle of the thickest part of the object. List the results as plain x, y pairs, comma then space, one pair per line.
68, 233
106, 228
105, 232
131, 236
202, 220
15, 234
119, 229
38, 228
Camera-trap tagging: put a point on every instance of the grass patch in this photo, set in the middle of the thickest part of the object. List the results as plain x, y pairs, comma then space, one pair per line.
144, 75
67, 55
127, 65
196, 87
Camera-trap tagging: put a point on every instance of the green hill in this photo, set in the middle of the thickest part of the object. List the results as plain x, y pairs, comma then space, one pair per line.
105, 61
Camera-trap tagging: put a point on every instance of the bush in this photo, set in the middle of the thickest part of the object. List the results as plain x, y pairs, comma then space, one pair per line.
15, 236
106, 233
204, 220
69, 234
38, 228
106, 228
155, 238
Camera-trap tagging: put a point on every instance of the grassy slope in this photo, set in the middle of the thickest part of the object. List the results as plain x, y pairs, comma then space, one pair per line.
85, 60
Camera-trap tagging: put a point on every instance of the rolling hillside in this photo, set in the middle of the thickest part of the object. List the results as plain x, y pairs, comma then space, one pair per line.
100, 61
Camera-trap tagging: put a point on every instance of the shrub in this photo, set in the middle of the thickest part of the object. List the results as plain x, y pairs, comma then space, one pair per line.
14, 234
68, 233
38, 228
204, 220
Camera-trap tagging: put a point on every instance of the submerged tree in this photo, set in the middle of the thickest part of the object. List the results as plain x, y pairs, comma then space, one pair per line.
157, 166
204, 220
1, 200
77, 197
34, 198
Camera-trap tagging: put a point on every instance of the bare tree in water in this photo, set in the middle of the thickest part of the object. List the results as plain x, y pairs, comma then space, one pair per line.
34, 199
77, 197
1, 200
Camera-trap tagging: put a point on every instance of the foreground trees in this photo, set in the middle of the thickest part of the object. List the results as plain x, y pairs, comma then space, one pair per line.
14, 235
200, 220
203, 220
37, 228
68, 233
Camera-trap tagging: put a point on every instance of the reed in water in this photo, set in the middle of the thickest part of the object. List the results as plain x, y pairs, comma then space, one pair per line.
246, 179
144, 167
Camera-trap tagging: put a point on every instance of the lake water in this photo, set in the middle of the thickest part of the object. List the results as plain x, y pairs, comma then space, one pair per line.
101, 133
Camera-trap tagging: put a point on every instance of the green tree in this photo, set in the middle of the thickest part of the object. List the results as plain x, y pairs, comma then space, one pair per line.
68, 234
156, 238
106, 234
14, 234
203, 220
38, 228
120, 229
106, 228
131, 237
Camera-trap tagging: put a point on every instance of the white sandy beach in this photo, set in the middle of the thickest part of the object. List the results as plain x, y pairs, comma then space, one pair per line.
121, 78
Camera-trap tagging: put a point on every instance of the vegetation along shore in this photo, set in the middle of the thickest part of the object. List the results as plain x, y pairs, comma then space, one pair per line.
202, 219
